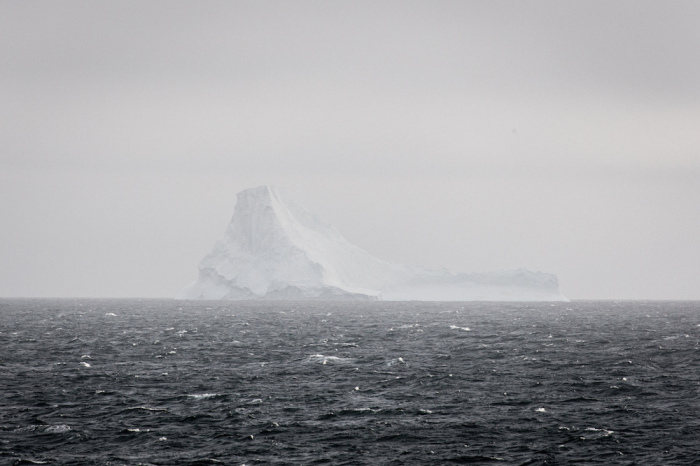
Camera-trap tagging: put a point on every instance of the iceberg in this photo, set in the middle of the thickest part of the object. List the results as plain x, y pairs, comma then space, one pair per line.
275, 249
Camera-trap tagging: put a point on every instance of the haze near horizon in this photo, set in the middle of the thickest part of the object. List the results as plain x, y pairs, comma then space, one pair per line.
554, 136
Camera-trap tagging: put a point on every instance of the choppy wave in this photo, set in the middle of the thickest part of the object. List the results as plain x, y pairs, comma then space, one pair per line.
164, 382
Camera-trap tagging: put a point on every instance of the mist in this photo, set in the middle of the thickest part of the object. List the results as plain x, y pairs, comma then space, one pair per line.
475, 136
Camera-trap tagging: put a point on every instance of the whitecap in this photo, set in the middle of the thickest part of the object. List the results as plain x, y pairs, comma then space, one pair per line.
346, 411
541, 410
321, 359
407, 326
84, 364
203, 396
455, 327
111, 314
146, 408
605, 432
58, 429
396, 361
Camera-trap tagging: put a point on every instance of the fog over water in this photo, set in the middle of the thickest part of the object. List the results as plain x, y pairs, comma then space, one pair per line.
475, 136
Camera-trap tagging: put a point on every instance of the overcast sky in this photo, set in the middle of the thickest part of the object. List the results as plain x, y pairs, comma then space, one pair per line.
472, 135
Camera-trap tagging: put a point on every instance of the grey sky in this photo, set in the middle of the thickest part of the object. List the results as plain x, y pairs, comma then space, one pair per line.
482, 135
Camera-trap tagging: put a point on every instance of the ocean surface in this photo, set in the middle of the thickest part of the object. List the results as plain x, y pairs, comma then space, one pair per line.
163, 382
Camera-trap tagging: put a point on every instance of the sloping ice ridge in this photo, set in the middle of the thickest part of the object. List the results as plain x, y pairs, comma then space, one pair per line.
275, 249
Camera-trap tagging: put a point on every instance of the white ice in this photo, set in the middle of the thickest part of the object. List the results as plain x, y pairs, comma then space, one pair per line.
275, 249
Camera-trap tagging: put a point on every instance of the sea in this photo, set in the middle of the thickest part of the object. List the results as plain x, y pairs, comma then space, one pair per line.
165, 382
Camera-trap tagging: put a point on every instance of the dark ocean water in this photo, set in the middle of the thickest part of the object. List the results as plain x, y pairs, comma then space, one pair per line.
162, 382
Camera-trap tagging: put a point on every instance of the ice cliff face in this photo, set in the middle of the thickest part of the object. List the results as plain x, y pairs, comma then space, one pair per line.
275, 249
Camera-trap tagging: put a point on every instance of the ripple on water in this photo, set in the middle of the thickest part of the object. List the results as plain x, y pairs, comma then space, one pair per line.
163, 382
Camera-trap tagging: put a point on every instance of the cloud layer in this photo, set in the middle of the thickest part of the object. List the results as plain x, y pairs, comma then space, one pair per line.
559, 136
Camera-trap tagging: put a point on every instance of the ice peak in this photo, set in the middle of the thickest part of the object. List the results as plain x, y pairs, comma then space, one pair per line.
263, 218
256, 222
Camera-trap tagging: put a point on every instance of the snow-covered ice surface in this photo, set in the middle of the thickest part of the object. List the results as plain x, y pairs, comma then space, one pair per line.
275, 249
